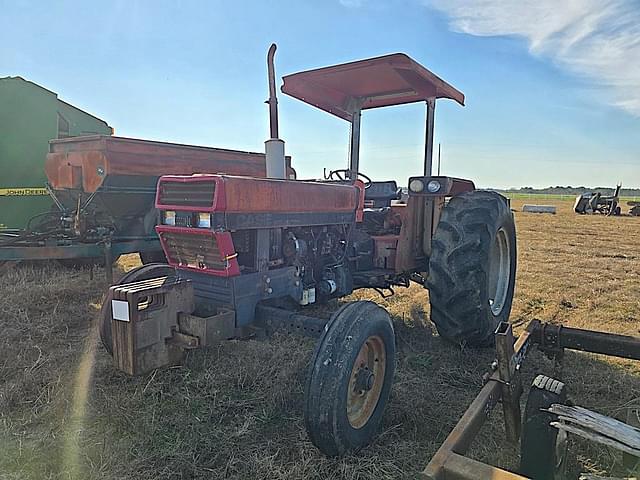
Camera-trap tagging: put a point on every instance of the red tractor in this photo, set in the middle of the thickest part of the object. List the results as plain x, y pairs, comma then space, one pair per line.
248, 253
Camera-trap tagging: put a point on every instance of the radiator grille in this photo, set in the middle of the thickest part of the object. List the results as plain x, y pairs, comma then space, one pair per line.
186, 219
187, 194
195, 251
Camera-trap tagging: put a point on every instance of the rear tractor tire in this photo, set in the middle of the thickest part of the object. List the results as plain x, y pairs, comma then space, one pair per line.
144, 272
472, 268
349, 378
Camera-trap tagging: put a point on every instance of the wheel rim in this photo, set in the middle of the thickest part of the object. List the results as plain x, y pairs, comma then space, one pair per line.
499, 271
366, 381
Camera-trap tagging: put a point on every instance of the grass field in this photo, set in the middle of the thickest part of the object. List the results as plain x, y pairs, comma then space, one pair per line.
235, 411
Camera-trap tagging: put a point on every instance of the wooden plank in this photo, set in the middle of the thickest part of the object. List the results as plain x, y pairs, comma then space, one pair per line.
595, 437
630, 462
590, 476
602, 426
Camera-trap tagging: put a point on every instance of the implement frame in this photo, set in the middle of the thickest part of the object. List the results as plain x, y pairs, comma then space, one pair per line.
504, 384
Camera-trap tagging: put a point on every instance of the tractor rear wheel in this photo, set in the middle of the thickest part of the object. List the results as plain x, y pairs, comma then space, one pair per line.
144, 272
472, 267
349, 378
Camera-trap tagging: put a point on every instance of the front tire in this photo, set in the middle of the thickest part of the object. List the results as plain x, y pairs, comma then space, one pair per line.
472, 267
350, 378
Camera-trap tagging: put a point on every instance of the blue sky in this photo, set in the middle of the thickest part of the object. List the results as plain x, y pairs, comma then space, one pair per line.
552, 88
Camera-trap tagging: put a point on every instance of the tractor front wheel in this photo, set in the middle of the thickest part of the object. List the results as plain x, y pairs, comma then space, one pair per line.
350, 378
472, 267
144, 272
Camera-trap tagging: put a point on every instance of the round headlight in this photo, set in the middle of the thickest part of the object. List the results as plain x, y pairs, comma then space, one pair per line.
416, 185
433, 186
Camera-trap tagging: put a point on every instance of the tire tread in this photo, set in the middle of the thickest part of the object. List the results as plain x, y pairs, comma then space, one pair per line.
459, 264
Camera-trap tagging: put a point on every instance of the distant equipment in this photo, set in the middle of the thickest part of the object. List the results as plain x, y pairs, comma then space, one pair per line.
595, 202
71, 191
30, 116
635, 208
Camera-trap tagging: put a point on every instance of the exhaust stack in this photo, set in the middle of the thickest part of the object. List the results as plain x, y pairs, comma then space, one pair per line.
274, 147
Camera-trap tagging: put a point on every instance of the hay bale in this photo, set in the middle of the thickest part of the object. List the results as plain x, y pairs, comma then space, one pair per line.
539, 209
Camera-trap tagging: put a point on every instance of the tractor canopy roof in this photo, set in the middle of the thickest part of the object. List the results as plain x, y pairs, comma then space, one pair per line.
375, 82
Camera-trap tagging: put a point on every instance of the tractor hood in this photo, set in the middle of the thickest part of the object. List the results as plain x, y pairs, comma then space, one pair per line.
376, 82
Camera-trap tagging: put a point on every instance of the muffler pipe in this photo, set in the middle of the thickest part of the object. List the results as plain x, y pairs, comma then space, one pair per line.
274, 147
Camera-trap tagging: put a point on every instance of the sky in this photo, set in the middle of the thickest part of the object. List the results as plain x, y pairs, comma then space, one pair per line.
552, 88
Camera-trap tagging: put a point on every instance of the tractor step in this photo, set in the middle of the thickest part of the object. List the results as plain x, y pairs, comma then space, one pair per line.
286, 321
375, 275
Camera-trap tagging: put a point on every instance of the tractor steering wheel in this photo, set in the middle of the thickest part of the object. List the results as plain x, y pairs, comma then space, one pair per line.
343, 175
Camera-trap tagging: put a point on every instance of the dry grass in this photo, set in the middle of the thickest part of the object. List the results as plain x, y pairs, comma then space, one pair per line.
235, 411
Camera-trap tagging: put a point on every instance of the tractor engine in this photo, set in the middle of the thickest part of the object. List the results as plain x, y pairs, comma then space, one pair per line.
245, 240
320, 253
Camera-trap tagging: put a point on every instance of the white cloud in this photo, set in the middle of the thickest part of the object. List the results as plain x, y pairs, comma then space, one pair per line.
596, 39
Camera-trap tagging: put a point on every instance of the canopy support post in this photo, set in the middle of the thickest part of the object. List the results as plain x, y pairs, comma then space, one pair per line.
354, 144
428, 140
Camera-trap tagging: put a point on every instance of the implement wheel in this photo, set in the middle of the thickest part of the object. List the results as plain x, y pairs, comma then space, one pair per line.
145, 272
543, 448
349, 378
472, 268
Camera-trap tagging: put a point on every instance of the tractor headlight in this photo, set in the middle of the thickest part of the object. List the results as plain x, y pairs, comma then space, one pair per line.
416, 185
204, 220
433, 186
169, 217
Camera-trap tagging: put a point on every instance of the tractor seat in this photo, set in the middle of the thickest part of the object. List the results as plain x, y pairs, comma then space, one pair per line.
380, 194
